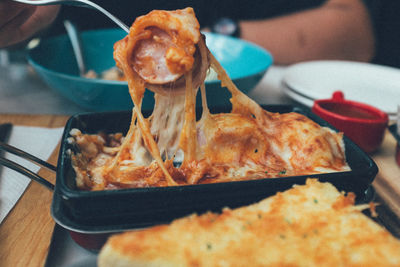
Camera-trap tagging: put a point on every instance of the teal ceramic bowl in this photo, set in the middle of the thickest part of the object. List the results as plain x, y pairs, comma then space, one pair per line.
54, 62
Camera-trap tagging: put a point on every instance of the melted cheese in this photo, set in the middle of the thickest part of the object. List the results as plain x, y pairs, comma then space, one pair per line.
163, 49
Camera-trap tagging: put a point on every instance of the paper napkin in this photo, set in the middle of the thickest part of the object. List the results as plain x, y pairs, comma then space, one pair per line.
37, 141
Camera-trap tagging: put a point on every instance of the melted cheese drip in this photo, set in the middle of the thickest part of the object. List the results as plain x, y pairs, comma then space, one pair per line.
188, 139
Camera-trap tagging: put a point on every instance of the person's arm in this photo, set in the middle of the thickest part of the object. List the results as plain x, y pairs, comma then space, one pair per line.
18, 22
339, 29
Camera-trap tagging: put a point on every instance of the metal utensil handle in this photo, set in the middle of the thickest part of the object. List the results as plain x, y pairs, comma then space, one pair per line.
82, 3
106, 13
53, 2
76, 43
21, 169
27, 156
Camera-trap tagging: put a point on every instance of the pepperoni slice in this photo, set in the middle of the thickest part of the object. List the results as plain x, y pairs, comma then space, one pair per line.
158, 60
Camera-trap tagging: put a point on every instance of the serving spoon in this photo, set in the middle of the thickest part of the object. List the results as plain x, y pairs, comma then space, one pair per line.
82, 3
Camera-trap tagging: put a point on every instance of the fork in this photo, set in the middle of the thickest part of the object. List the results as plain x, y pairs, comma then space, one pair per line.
82, 3
21, 169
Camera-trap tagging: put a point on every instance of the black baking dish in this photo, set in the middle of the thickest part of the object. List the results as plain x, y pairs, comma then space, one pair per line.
117, 210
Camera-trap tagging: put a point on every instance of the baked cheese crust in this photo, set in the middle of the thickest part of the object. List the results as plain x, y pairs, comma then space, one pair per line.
308, 225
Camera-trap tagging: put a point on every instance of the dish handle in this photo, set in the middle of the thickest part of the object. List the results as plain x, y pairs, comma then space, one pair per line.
21, 169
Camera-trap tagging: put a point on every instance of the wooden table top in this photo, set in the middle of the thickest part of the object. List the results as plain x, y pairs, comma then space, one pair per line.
25, 234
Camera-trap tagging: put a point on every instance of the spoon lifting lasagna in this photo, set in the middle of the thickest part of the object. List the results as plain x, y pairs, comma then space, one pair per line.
166, 53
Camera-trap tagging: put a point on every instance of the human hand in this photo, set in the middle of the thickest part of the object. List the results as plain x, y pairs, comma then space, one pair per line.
18, 22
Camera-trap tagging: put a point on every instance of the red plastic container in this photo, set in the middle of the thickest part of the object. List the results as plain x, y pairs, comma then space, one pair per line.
364, 124
398, 154
393, 129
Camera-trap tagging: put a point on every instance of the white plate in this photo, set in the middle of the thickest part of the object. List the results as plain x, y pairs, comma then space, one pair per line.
375, 85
